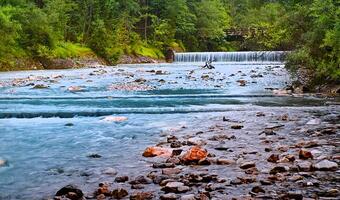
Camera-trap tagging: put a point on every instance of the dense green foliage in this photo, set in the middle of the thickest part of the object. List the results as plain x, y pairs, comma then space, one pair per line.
74, 28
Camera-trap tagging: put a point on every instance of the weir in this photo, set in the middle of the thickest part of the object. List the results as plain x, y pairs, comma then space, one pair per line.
240, 56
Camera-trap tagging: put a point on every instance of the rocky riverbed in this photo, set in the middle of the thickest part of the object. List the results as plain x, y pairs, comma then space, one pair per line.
166, 132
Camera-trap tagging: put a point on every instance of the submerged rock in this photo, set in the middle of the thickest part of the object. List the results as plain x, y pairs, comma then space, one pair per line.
114, 119
3, 163
71, 192
305, 154
121, 179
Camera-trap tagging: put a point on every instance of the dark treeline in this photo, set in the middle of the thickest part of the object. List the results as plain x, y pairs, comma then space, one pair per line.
38, 29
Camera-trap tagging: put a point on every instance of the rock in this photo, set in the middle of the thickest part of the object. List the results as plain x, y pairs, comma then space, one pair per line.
296, 178
94, 155
137, 186
103, 189
114, 119
304, 166
236, 126
121, 179
142, 196
176, 144
170, 196
214, 186
293, 195
171, 171
278, 169
119, 193
174, 160
305, 154
171, 139
258, 189
260, 114
175, 187
273, 158
287, 158
204, 161
222, 161
188, 197
247, 165
314, 122
140, 180
99, 197
69, 124
163, 165
140, 80
326, 165
40, 86
75, 89
194, 154
3, 163
157, 151
70, 191
110, 171
242, 82
316, 153
329, 193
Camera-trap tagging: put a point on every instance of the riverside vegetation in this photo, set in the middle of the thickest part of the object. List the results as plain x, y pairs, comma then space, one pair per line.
36, 32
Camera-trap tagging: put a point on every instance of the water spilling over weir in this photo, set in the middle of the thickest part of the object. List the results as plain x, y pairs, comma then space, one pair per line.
246, 56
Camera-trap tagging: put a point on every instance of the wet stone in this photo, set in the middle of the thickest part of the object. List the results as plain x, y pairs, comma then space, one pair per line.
304, 166
188, 197
137, 186
163, 165
258, 189
140, 180
172, 187
273, 158
119, 193
326, 165
121, 179
142, 196
236, 126
170, 196
247, 165
75, 192
305, 154
176, 144
278, 169
94, 155
171, 171
103, 189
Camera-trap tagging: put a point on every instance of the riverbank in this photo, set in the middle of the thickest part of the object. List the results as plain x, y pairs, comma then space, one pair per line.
281, 153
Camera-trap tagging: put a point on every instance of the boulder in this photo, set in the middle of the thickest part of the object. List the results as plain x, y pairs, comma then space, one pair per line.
121, 179
103, 189
194, 154
157, 151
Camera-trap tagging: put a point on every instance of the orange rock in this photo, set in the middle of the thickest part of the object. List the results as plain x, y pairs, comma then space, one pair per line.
195, 154
157, 151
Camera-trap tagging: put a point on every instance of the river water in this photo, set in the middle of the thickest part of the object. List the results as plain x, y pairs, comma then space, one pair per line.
47, 135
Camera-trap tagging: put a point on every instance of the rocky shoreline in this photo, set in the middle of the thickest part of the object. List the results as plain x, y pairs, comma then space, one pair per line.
265, 155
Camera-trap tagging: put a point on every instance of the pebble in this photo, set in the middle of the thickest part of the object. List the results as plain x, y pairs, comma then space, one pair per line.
236, 126
278, 169
273, 158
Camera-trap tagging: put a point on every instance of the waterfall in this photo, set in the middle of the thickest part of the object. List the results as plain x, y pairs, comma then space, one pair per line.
240, 56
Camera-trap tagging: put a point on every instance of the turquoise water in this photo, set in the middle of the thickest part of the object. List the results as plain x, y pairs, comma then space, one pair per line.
44, 154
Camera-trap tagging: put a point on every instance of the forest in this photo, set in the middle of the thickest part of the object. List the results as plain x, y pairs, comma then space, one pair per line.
47, 29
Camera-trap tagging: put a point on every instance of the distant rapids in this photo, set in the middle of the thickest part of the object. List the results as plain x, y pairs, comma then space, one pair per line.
241, 56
